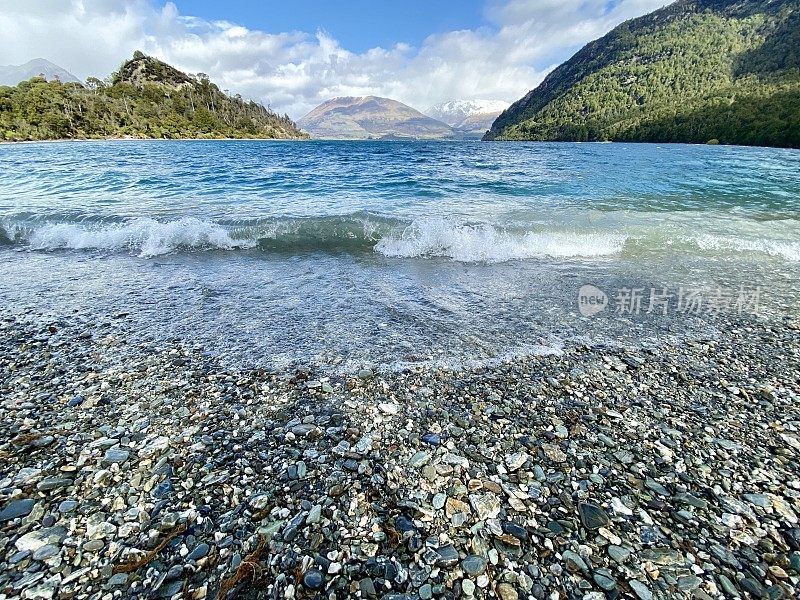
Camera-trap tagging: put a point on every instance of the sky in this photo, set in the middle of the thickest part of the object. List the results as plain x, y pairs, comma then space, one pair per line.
294, 54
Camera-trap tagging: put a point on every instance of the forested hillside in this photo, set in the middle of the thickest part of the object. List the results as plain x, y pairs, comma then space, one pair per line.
146, 98
695, 71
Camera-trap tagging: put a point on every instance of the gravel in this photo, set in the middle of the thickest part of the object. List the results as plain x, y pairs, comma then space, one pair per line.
663, 472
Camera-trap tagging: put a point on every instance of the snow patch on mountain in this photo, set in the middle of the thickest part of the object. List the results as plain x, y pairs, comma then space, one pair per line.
456, 112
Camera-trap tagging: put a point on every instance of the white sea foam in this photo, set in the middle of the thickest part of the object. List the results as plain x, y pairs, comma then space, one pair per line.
424, 237
486, 243
778, 248
148, 237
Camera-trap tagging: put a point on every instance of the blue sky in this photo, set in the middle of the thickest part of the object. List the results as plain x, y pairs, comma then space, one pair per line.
295, 54
359, 24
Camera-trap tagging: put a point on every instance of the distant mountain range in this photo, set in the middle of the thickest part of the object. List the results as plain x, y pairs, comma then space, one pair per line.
696, 71
376, 118
371, 117
470, 117
146, 98
13, 74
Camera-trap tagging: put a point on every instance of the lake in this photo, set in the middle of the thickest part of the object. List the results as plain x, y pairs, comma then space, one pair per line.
389, 254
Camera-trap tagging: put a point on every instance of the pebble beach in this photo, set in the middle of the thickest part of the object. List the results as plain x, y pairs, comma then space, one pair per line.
152, 472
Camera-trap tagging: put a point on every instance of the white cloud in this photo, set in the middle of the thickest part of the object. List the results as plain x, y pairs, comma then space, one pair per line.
295, 71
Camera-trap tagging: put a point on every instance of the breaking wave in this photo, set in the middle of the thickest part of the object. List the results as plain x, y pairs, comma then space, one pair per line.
426, 237
486, 243
433, 237
147, 237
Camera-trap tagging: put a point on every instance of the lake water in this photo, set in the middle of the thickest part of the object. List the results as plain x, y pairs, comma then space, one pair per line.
388, 254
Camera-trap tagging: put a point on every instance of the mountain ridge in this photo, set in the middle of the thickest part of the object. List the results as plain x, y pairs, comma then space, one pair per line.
13, 74
694, 71
371, 117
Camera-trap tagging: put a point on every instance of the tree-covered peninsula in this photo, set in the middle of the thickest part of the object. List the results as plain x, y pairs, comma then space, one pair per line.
145, 98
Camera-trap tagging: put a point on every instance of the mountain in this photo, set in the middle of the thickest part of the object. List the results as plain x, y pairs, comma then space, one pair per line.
471, 117
146, 98
695, 71
371, 117
13, 74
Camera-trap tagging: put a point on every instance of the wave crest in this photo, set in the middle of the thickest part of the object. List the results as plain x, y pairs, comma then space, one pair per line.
362, 233
146, 236
486, 243
427, 237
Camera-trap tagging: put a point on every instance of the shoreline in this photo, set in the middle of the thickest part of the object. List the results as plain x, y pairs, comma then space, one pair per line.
312, 139
134, 139
669, 473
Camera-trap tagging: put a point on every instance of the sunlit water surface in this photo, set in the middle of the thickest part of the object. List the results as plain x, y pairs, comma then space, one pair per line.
346, 254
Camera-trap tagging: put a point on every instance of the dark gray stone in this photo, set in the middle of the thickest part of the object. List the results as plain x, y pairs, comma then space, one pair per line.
162, 490
367, 587
199, 552
115, 456
603, 578
47, 551
517, 531
448, 556
49, 484
16, 509
313, 579
753, 588
473, 565
592, 516
170, 589
574, 561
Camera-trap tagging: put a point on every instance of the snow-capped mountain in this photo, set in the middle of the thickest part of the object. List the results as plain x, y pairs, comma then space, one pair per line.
469, 116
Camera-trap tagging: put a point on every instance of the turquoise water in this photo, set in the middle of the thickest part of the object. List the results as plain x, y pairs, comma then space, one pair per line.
351, 253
